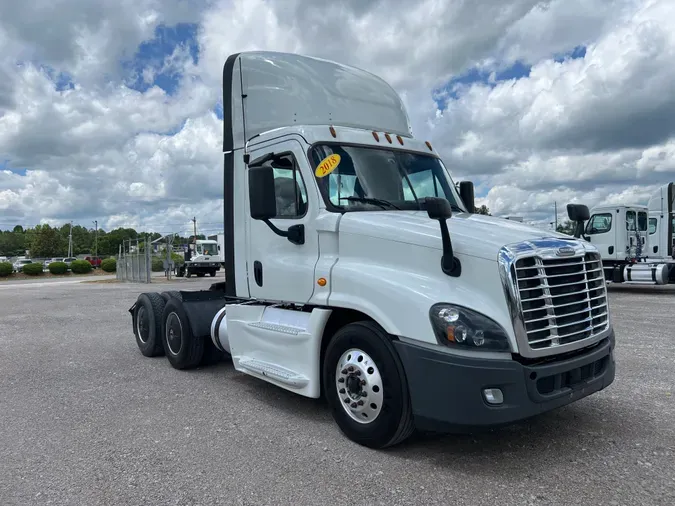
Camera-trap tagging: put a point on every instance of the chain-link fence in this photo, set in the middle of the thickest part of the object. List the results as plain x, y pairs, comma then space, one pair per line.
134, 262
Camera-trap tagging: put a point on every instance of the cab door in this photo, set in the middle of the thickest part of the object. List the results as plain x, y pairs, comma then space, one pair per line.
278, 269
600, 231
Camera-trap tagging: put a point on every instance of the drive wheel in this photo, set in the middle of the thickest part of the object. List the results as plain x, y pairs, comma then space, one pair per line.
366, 387
182, 348
148, 324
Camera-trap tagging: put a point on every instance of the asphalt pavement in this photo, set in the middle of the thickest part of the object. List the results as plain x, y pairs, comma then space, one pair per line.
85, 419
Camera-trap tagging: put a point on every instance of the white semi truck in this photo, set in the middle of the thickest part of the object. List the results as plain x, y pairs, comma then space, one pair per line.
202, 258
355, 270
636, 241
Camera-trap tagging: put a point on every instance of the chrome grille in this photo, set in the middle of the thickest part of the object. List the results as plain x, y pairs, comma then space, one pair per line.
563, 300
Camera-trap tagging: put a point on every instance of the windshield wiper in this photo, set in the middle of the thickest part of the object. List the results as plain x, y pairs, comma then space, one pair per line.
370, 200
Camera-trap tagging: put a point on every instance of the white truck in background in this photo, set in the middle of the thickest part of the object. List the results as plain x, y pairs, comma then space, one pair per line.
636, 241
201, 258
357, 271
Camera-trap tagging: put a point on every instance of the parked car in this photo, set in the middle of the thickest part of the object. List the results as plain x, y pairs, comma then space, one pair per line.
18, 265
68, 261
52, 260
94, 261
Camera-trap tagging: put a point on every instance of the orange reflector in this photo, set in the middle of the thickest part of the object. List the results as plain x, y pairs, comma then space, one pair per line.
400, 140
321, 281
429, 145
377, 137
332, 132
388, 137
451, 334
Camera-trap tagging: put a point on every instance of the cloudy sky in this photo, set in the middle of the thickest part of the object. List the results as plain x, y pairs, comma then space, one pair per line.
109, 109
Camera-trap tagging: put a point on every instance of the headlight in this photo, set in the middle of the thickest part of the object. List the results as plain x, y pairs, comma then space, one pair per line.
457, 326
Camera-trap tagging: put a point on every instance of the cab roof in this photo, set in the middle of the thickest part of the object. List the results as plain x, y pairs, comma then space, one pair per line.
264, 90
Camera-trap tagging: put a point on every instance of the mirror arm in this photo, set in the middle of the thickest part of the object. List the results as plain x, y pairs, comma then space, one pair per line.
295, 233
449, 262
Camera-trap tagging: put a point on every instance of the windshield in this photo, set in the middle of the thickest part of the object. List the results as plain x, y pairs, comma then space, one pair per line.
207, 249
367, 179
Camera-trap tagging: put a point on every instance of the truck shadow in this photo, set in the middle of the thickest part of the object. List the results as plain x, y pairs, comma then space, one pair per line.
566, 436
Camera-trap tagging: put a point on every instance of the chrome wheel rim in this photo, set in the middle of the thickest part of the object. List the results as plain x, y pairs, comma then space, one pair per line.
359, 386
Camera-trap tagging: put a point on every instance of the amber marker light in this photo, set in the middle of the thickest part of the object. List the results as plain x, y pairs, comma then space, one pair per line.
429, 145
400, 139
377, 137
388, 137
332, 132
321, 281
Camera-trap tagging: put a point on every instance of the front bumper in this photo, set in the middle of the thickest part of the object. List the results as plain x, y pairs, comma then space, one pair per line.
447, 390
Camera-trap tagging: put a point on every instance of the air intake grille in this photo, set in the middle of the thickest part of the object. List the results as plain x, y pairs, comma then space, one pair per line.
562, 300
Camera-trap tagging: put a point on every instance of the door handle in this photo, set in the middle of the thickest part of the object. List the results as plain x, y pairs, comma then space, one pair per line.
258, 272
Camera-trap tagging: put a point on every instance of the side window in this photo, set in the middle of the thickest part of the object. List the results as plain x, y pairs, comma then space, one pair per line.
599, 224
630, 220
652, 226
642, 221
289, 189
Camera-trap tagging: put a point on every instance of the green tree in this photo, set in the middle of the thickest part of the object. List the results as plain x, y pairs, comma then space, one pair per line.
46, 242
483, 210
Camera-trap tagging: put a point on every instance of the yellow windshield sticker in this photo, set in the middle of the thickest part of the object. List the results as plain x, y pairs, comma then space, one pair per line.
327, 165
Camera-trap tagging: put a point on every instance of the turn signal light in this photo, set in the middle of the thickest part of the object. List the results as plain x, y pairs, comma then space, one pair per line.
377, 137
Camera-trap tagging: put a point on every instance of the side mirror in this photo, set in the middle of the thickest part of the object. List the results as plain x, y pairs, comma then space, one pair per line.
261, 194
578, 212
263, 202
440, 209
467, 194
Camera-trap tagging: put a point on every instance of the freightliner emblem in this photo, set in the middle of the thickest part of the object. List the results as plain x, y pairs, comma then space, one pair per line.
565, 251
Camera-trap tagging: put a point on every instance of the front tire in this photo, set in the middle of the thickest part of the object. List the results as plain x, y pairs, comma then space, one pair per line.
366, 387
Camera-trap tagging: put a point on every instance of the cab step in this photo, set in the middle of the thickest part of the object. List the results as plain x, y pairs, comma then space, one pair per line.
273, 371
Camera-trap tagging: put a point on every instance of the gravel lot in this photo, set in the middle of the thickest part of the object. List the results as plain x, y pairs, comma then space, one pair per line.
85, 419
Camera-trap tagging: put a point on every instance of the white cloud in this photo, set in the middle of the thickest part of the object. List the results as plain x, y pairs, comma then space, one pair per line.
591, 129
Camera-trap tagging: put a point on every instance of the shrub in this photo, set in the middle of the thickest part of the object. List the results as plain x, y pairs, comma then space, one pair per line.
109, 265
177, 259
58, 267
80, 267
157, 264
33, 269
5, 269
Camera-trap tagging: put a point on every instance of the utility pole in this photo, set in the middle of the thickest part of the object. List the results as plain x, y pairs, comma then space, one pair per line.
194, 220
70, 240
95, 222
555, 203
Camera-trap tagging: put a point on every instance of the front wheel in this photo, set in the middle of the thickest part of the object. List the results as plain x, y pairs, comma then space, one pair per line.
365, 385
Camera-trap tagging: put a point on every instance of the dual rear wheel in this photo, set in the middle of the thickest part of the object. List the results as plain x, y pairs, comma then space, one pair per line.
162, 327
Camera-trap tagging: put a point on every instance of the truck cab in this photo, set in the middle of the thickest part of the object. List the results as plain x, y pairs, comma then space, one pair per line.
619, 232
357, 270
661, 225
634, 241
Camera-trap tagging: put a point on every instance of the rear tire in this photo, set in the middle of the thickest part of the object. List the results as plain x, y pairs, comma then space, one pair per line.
182, 348
171, 293
383, 416
147, 320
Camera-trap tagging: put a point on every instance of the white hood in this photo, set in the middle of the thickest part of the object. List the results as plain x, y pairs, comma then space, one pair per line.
471, 234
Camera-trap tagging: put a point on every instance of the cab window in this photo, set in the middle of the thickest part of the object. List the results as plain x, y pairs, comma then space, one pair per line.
630, 220
599, 224
642, 221
652, 226
290, 190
